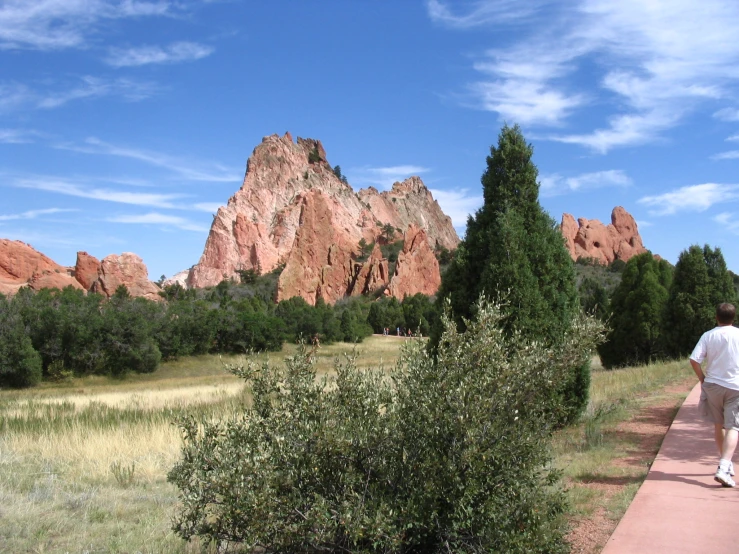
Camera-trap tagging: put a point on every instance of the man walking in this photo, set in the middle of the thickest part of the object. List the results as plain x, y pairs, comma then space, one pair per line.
719, 401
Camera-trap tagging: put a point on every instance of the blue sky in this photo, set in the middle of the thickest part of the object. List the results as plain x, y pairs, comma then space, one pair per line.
124, 124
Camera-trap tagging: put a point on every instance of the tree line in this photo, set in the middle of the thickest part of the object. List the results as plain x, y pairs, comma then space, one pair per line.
659, 311
53, 334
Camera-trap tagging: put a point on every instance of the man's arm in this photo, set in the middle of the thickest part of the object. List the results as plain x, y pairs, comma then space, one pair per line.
698, 370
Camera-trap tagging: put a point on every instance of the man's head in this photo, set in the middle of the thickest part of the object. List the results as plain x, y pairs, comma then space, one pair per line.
725, 313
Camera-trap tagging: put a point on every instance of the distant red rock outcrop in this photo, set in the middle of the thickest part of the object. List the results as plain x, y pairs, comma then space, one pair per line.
86, 269
129, 270
21, 265
292, 209
619, 240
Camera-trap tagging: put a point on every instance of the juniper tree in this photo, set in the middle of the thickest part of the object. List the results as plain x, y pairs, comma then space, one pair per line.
513, 251
635, 314
700, 282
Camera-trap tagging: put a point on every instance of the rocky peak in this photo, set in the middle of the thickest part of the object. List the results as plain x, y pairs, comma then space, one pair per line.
127, 269
619, 240
261, 225
86, 269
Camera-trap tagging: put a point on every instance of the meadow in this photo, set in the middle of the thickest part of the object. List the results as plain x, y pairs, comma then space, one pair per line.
83, 463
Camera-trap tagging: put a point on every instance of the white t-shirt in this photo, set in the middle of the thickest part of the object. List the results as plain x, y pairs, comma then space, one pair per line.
720, 348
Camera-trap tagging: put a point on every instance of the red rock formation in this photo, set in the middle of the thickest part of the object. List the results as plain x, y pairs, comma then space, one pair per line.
86, 269
53, 280
19, 262
372, 275
411, 203
619, 240
320, 263
258, 228
417, 269
127, 269
21, 265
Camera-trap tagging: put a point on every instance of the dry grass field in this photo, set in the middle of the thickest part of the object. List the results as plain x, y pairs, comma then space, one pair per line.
83, 464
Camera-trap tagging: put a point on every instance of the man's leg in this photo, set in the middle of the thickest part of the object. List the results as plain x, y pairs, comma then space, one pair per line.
719, 436
730, 440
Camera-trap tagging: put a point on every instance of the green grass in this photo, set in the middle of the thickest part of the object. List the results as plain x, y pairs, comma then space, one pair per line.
586, 452
83, 463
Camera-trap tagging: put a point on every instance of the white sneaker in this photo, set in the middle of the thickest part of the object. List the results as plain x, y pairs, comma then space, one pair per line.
724, 478
731, 469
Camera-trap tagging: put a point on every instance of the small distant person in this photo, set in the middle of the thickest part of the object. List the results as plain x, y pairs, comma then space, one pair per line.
397, 330
719, 401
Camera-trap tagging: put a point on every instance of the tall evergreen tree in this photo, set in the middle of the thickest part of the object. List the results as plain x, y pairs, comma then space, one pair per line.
513, 249
636, 310
701, 281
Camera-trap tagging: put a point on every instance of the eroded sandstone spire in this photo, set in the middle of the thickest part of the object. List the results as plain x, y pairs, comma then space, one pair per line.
620, 240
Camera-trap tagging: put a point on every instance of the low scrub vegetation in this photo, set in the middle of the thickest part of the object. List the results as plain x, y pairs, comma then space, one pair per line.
444, 455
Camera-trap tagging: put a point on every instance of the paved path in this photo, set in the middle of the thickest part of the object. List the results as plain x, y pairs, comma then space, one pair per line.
680, 508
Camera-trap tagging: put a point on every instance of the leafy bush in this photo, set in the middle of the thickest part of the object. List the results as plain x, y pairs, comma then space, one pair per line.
448, 454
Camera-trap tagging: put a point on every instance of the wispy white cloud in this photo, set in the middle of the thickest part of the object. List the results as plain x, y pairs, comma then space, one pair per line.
730, 155
211, 207
17, 136
727, 114
209, 172
696, 198
659, 60
33, 214
483, 12
384, 177
555, 184
95, 87
68, 188
457, 204
728, 221
732, 138
146, 55
60, 24
16, 96
155, 218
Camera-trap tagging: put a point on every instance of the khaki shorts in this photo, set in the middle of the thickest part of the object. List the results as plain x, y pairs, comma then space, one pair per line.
720, 405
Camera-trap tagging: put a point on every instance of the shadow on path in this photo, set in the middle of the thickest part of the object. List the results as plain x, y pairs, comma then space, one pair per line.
680, 508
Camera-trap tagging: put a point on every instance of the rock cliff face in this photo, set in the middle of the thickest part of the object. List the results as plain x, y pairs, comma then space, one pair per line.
293, 210
372, 275
417, 269
619, 240
129, 270
86, 270
21, 265
320, 263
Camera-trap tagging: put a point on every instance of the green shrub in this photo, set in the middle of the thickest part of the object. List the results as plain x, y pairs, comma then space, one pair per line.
447, 454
